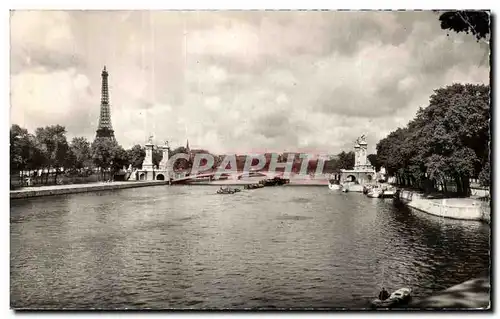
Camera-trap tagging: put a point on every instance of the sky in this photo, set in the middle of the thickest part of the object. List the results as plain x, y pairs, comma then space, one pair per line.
235, 81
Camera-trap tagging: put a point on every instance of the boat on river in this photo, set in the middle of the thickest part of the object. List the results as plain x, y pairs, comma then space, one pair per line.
226, 191
254, 186
334, 185
375, 192
276, 181
390, 192
399, 297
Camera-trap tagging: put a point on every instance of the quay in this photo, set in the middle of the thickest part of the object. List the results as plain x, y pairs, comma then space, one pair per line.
454, 208
472, 294
39, 191
28, 192
293, 182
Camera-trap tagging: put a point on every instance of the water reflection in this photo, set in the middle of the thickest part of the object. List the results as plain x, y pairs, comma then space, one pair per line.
177, 247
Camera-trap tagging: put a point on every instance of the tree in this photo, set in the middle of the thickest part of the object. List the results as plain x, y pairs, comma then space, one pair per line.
23, 152
120, 159
157, 156
53, 145
136, 156
374, 161
79, 155
104, 152
19, 148
474, 22
485, 175
180, 164
346, 160
448, 140
332, 165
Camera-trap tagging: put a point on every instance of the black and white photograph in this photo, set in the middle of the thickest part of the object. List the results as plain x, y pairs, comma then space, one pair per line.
250, 160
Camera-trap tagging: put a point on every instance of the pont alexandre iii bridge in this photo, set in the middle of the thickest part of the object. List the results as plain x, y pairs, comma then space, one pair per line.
234, 176
182, 178
163, 172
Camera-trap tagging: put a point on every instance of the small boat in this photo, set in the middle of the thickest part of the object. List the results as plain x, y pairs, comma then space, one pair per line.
389, 193
225, 191
375, 192
399, 297
333, 185
236, 190
253, 186
276, 181
367, 188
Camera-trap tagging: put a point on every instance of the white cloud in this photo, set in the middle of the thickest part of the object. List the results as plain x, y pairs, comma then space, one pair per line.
235, 81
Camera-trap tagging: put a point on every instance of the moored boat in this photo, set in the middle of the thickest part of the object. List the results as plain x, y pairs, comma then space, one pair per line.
399, 297
276, 181
389, 193
375, 192
334, 185
367, 188
253, 186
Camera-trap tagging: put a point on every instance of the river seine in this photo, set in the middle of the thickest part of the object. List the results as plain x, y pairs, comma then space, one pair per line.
276, 247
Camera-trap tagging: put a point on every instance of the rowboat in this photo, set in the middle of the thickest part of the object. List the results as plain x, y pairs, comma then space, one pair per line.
333, 185
399, 297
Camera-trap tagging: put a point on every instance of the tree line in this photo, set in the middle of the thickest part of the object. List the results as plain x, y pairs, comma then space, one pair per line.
449, 140
47, 150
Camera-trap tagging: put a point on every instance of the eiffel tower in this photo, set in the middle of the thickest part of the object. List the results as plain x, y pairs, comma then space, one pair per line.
105, 129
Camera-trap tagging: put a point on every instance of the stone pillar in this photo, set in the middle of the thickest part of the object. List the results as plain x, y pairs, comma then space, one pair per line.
147, 165
363, 157
357, 155
164, 160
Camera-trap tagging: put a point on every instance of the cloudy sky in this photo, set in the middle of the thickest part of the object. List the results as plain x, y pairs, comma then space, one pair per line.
235, 81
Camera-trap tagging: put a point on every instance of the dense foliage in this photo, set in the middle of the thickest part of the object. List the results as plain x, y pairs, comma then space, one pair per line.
474, 22
448, 140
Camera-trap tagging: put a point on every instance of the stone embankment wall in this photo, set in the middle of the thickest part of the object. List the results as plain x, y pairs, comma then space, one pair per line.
464, 209
479, 192
72, 189
486, 211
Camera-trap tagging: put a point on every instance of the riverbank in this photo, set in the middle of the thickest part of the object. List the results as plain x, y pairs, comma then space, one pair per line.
455, 208
472, 294
293, 182
28, 192
52, 190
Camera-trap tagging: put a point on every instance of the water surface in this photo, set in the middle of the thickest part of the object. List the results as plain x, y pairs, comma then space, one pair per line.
186, 247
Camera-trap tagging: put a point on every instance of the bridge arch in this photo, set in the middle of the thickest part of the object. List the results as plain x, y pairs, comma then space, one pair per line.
351, 178
142, 176
160, 177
